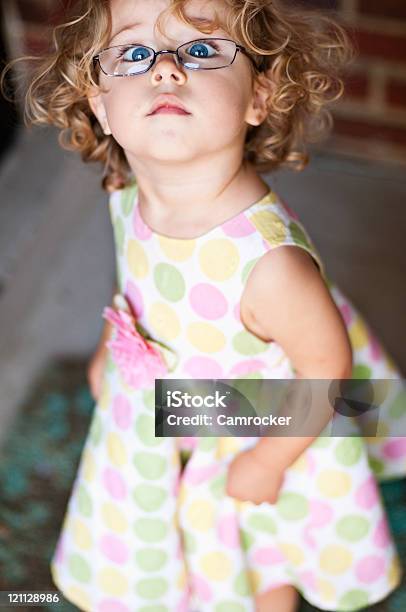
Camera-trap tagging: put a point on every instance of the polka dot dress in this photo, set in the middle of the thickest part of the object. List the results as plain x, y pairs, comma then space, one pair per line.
141, 534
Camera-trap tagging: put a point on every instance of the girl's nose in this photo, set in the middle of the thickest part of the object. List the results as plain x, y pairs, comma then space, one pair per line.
166, 67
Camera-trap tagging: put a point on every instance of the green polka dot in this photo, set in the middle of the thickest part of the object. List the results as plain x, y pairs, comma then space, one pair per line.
96, 430
148, 497
246, 539
229, 606
352, 600
322, 442
151, 530
189, 542
398, 407
157, 608
292, 506
152, 588
247, 269
348, 451
150, 466
145, 428
376, 465
242, 584
262, 522
84, 502
119, 234
169, 282
151, 560
207, 444
246, 343
352, 528
148, 398
360, 370
128, 199
79, 568
299, 235
217, 486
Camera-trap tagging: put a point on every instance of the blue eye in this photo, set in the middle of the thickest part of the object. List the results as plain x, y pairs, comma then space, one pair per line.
202, 49
135, 54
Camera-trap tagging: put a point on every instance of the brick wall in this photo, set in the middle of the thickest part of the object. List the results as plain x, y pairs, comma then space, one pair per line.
371, 119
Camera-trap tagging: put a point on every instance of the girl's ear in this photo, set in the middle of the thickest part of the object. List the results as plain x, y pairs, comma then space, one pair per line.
96, 104
261, 93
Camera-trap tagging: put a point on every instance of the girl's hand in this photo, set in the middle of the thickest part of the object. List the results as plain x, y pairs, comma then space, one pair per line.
248, 479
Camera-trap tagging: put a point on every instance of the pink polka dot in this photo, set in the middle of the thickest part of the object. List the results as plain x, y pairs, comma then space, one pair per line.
308, 579
122, 411
184, 604
247, 367
268, 556
370, 568
201, 587
236, 312
346, 312
375, 348
238, 227
367, 494
381, 535
203, 367
308, 536
114, 549
142, 231
197, 475
207, 301
320, 513
112, 605
134, 296
228, 531
114, 483
395, 449
188, 442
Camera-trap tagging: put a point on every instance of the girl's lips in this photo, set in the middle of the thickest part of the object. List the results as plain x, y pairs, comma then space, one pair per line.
170, 110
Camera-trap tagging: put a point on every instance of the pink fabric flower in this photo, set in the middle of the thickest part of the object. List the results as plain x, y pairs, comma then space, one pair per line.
138, 360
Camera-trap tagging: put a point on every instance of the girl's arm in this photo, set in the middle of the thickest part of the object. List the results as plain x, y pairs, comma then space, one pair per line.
288, 301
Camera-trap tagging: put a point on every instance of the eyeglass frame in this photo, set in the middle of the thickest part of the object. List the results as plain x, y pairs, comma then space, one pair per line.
238, 47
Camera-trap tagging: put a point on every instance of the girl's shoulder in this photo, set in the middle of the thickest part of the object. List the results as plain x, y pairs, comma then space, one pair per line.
278, 225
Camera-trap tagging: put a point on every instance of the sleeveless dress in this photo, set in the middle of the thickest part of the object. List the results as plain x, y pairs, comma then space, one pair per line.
142, 535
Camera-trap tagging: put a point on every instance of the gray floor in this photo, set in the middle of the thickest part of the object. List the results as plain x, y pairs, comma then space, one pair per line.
57, 257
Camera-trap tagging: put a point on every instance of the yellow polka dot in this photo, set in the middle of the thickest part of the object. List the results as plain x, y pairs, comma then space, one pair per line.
205, 337
182, 494
114, 518
333, 483
78, 597
226, 446
394, 572
270, 198
89, 467
358, 333
137, 259
177, 250
116, 450
335, 559
164, 320
216, 566
112, 582
325, 589
219, 259
105, 396
293, 553
255, 580
270, 225
300, 465
200, 515
82, 535
181, 580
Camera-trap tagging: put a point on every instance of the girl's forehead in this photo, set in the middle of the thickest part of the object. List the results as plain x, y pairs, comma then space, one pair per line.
141, 15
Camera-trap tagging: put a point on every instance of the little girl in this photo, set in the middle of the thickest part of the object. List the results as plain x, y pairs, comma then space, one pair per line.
184, 103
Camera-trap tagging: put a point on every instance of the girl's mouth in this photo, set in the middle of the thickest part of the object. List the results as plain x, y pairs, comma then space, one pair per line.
170, 110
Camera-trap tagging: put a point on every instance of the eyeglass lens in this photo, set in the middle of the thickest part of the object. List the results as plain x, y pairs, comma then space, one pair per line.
202, 54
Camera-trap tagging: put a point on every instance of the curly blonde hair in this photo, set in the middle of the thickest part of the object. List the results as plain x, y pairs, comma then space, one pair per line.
299, 53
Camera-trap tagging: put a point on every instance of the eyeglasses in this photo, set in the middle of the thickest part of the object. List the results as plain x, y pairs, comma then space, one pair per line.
201, 54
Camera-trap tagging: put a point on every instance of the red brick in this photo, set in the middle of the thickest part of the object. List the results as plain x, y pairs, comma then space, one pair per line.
365, 129
396, 92
392, 9
356, 85
384, 46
